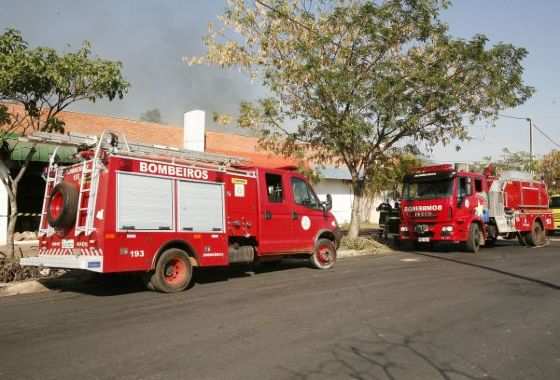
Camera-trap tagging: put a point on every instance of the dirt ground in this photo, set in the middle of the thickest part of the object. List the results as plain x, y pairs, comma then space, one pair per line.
10, 270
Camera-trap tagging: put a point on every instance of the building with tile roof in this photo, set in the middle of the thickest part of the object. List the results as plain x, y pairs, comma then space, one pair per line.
193, 135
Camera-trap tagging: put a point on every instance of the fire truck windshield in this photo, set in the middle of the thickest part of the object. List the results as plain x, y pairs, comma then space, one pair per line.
436, 188
555, 202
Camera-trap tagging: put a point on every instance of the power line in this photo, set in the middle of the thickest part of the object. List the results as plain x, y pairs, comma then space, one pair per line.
545, 135
538, 129
513, 117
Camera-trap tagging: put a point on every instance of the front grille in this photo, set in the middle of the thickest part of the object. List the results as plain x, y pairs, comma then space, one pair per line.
423, 230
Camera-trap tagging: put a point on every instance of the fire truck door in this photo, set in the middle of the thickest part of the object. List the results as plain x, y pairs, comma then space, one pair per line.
275, 231
307, 214
466, 203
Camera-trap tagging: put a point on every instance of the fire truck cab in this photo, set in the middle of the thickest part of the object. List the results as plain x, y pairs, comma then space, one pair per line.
444, 203
162, 211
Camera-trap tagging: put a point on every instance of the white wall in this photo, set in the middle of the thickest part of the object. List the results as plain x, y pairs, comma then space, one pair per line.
341, 192
342, 197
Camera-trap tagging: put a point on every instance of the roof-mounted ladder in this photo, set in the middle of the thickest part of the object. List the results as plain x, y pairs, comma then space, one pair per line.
54, 175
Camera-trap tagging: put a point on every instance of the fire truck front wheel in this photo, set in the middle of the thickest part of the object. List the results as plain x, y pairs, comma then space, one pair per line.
473, 239
324, 254
62, 206
173, 272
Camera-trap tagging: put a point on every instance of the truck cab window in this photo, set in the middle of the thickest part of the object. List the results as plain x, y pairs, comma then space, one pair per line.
303, 194
274, 188
478, 185
464, 186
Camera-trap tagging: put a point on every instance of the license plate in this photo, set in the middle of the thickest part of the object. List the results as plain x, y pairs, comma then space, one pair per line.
424, 239
68, 243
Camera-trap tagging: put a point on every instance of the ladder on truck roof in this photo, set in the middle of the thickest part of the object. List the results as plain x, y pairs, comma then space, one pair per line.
114, 143
54, 176
117, 143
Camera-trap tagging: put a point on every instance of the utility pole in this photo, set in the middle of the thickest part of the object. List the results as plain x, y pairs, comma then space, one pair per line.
530, 145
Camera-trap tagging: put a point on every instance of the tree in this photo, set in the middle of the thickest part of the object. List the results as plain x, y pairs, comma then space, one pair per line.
549, 167
361, 77
36, 84
152, 116
389, 176
509, 160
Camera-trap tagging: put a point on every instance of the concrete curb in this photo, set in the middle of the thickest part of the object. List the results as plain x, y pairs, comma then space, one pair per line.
346, 253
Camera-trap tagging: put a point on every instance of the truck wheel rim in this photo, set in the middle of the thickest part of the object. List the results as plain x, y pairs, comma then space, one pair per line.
175, 272
324, 255
56, 205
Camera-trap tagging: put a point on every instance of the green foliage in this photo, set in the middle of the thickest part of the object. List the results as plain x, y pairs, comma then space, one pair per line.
507, 161
45, 82
389, 175
152, 116
549, 167
360, 77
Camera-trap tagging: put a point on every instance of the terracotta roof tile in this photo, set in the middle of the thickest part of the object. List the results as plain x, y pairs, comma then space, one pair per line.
153, 133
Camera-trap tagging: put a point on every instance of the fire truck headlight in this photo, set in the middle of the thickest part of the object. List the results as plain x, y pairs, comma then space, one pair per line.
446, 230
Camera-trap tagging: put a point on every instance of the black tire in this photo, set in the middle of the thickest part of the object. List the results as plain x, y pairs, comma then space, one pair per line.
537, 235
324, 254
522, 238
473, 240
173, 272
62, 205
492, 236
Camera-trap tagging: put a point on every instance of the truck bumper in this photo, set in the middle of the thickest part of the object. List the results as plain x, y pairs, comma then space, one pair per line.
91, 263
435, 232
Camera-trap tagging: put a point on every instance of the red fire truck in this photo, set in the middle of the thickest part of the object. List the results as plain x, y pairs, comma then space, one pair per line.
444, 203
162, 211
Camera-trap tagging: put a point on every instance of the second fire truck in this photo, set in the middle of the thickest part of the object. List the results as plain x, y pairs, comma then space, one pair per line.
444, 203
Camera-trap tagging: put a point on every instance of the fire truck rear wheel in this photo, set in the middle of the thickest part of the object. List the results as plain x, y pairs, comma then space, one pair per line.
62, 205
324, 254
537, 235
173, 272
473, 239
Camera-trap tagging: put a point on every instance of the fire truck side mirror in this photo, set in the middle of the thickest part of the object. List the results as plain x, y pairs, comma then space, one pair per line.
327, 206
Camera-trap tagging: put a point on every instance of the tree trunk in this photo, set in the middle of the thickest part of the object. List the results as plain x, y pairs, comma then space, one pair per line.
12, 196
354, 230
11, 185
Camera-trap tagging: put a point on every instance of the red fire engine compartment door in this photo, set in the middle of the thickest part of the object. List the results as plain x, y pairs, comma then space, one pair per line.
275, 234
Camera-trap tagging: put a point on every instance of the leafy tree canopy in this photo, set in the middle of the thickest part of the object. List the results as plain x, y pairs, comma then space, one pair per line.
549, 167
41, 83
45, 82
362, 78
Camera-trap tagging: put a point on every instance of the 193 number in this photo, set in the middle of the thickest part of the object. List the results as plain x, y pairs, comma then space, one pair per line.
137, 253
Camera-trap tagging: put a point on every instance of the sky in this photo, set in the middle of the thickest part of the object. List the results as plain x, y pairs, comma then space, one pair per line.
151, 37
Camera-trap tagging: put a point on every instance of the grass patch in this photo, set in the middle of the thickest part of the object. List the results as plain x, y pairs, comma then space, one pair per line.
359, 244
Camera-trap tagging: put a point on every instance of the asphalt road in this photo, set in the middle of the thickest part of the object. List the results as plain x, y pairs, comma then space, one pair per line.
447, 315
